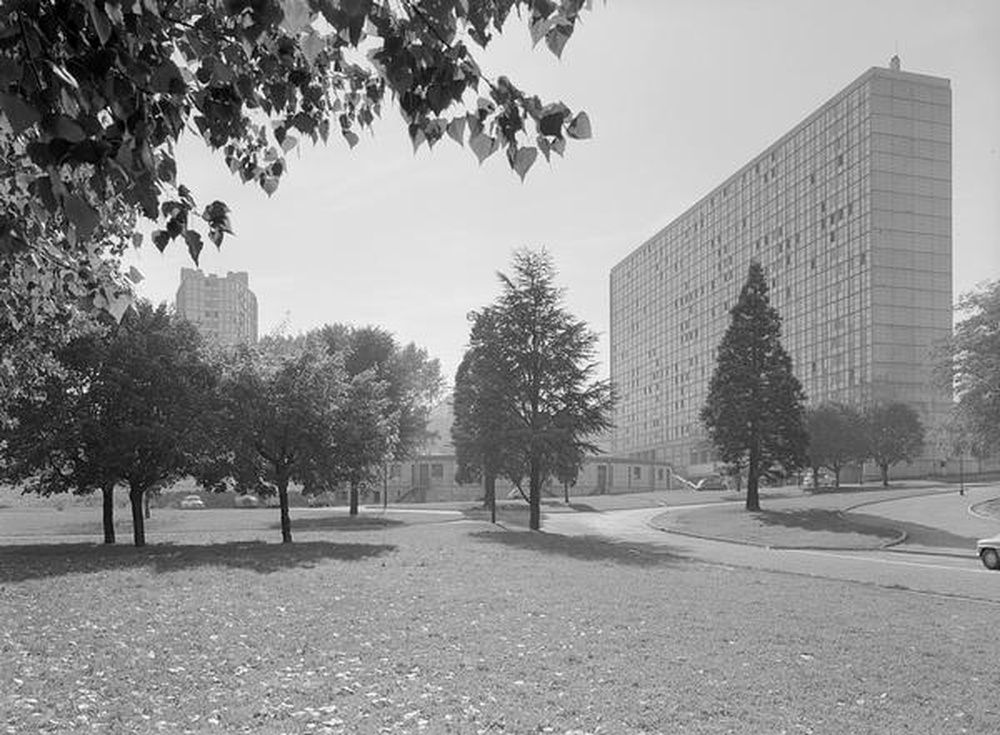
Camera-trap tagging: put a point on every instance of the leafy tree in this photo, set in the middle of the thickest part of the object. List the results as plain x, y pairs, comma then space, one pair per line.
754, 411
128, 410
971, 367
552, 403
94, 95
411, 379
836, 437
279, 420
480, 426
366, 435
893, 433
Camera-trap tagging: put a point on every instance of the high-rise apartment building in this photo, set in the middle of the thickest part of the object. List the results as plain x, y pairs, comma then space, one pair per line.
223, 309
850, 215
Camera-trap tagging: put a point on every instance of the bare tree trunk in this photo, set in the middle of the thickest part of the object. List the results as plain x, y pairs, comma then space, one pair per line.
286, 520
884, 468
138, 521
535, 497
491, 495
145, 504
566, 492
753, 498
354, 499
108, 502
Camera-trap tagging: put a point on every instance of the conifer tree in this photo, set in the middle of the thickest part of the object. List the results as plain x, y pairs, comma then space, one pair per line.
754, 412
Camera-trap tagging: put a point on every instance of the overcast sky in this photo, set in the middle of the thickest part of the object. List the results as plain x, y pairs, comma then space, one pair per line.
680, 94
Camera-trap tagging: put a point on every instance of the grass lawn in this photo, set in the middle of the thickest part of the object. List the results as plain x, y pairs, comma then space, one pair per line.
459, 627
785, 527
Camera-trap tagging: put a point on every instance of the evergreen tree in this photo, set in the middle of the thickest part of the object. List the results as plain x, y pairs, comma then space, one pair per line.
551, 403
754, 412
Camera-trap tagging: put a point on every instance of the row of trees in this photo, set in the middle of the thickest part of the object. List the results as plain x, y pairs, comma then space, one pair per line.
527, 405
839, 435
142, 403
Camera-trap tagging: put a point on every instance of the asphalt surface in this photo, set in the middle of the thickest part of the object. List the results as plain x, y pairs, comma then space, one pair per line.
916, 565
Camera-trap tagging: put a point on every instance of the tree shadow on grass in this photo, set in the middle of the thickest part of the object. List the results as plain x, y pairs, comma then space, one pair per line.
340, 523
830, 521
42, 561
586, 548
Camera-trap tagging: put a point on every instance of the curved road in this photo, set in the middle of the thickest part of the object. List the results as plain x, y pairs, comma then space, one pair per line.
913, 567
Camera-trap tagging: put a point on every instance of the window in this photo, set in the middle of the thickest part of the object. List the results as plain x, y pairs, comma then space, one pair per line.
637, 473
437, 470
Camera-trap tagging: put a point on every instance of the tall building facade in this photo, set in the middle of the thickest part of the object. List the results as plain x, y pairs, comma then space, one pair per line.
223, 309
850, 215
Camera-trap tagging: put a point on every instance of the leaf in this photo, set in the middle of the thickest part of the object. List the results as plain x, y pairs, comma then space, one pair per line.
64, 75
297, 15
83, 216
556, 38
456, 129
350, 136
544, 146
269, 184
19, 113
289, 142
101, 23
483, 146
579, 127
135, 275
160, 239
524, 160
194, 244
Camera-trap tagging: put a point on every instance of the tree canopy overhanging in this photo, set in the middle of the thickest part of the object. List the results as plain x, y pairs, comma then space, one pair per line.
94, 94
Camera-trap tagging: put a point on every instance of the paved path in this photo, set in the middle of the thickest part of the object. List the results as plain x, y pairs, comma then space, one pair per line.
960, 575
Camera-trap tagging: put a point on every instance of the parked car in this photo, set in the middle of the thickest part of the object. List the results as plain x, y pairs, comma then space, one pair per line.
192, 502
989, 551
712, 482
246, 501
826, 479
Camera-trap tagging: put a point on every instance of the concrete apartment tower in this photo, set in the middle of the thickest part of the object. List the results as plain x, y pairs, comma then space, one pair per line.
223, 309
850, 215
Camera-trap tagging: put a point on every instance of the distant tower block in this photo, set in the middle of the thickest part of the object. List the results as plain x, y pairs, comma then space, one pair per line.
223, 309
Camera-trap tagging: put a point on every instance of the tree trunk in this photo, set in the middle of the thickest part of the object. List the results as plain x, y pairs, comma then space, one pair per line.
836, 477
815, 479
566, 492
753, 499
145, 504
108, 502
354, 499
286, 521
535, 497
884, 469
491, 495
138, 521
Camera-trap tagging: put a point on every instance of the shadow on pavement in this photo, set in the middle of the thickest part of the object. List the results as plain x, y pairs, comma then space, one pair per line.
921, 535
42, 561
587, 548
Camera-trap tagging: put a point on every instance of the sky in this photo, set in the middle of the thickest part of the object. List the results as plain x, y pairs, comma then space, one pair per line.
680, 95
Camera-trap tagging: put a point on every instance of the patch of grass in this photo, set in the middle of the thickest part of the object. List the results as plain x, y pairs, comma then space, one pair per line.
791, 527
464, 628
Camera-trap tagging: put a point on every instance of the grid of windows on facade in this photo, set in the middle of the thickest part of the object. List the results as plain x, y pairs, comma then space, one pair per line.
803, 209
224, 309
